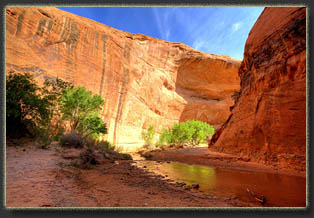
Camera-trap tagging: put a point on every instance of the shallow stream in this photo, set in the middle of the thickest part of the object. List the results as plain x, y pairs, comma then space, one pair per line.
279, 190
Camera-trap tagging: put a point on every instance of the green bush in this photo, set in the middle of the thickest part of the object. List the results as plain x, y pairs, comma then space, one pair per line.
191, 132
165, 138
148, 136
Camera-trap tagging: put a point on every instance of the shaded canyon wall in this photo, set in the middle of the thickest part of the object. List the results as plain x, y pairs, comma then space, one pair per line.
268, 121
143, 80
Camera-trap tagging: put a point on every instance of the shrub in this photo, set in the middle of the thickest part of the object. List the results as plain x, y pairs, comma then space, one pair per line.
107, 149
147, 155
148, 136
72, 140
126, 156
105, 146
87, 158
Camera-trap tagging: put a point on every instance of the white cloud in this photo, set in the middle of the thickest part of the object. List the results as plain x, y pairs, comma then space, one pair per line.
236, 26
158, 20
198, 44
163, 17
167, 34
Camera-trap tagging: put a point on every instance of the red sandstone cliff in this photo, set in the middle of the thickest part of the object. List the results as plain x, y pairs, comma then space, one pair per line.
143, 80
268, 122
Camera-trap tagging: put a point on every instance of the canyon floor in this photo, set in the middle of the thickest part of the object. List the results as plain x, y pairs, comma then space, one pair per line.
45, 178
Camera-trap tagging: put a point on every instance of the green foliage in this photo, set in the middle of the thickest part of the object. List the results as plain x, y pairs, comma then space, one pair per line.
190, 132
26, 109
52, 92
42, 112
92, 126
200, 131
81, 108
181, 133
165, 138
148, 136
32, 110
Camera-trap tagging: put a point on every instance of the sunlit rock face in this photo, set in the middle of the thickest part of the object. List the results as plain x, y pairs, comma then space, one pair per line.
268, 122
144, 81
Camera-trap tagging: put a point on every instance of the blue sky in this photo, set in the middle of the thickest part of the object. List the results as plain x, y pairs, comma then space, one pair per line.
216, 30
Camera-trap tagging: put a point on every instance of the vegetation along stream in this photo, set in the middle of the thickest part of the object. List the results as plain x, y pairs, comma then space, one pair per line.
278, 190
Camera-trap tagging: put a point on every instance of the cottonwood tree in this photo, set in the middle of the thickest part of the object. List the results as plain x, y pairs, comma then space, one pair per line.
80, 108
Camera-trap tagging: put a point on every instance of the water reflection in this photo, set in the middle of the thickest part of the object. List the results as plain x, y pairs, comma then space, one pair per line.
279, 190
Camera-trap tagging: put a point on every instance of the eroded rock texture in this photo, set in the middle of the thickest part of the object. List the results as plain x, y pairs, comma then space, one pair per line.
143, 80
268, 122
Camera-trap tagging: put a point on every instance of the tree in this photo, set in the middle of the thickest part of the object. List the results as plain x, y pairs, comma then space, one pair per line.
26, 109
200, 131
52, 91
148, 136
80, 108
191, 132
181, 133
92, 126
165, 138
36, 111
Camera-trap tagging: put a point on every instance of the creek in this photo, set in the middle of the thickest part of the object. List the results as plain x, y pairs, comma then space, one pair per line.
279, 190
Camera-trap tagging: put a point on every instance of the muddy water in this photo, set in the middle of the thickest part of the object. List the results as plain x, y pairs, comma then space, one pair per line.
279, 190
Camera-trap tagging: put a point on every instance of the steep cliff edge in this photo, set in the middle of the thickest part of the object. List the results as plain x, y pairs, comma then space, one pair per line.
268, 121
143, 80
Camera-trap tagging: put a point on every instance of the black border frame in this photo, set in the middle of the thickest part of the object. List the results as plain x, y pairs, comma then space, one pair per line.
182, 212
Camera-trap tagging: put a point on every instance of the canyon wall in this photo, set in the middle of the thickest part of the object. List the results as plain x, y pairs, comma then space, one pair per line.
268, 121
143, 80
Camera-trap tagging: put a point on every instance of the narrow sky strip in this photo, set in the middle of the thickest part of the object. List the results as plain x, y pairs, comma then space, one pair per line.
216, 30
